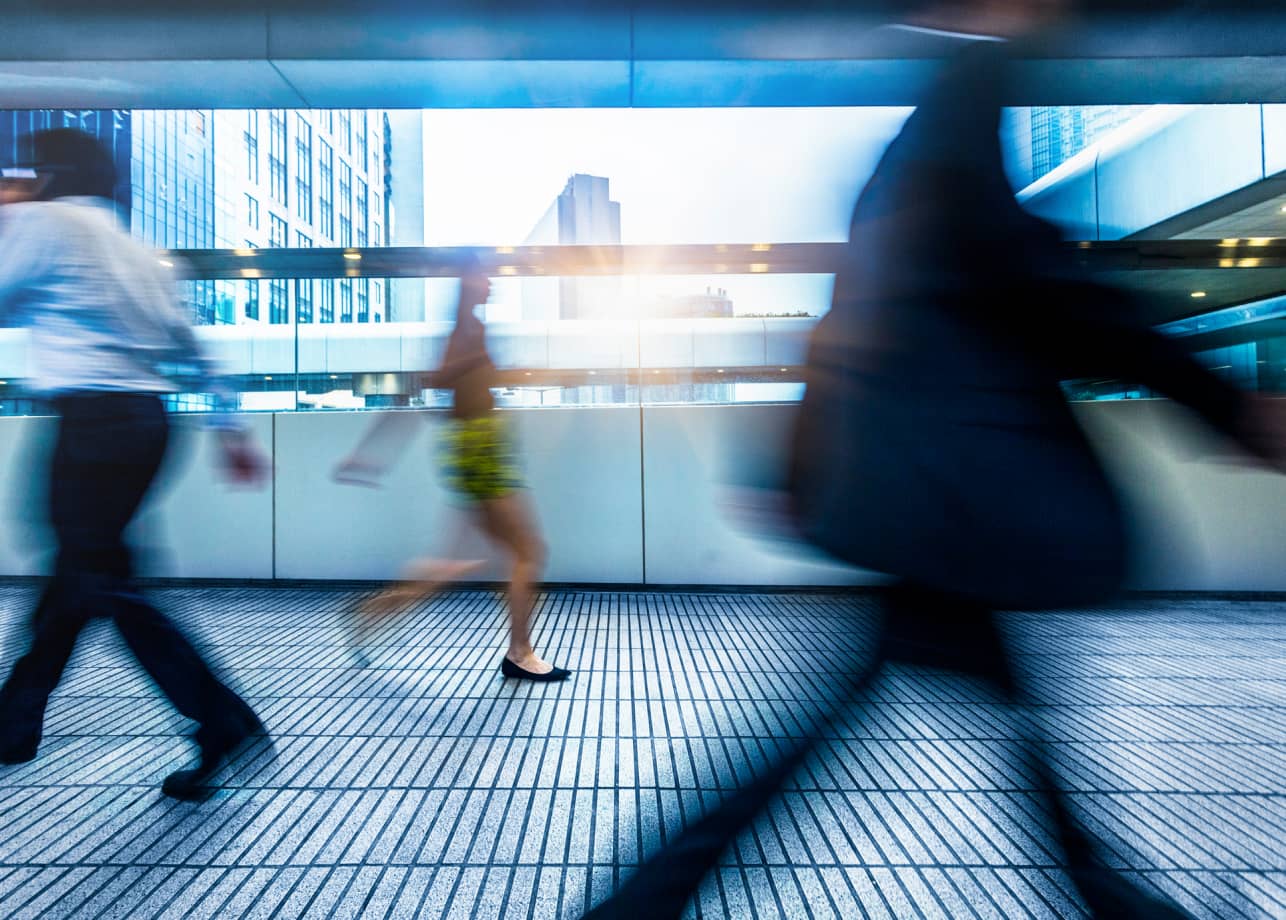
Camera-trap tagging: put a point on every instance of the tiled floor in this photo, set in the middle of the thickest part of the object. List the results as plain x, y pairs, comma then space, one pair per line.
426, 786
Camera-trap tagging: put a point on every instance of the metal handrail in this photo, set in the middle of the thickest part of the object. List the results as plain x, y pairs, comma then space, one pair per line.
701, 259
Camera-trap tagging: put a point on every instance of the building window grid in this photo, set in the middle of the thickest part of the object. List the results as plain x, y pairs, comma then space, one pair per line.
252, 211
346, 130
363, 300
277, 155
252, 146
303, 169
252, 300
346, 300
363, 148
326, 190
279, 232
345, 204
326, 301
363, 202
304, 300
278, 306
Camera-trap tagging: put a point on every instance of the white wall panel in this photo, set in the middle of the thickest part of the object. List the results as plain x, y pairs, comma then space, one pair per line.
196, 524
718, 343
379, 348
26, 545
1201, 519
193, 525
1274, 139
692, 453
1150, 176
786, 341
582, 466
667, 343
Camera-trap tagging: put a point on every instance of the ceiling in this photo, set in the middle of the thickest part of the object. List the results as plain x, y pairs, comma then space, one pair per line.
383, 54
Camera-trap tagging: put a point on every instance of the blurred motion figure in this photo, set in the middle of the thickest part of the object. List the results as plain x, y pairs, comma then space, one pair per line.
481, 467
108, 337
934, 442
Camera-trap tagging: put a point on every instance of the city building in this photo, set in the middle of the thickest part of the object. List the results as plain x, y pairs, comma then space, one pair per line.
165, 178
713, 303
404, 188
583, 214
303, 178
1048, 136
253, 178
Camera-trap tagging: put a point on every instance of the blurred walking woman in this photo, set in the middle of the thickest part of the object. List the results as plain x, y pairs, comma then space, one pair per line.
481, 467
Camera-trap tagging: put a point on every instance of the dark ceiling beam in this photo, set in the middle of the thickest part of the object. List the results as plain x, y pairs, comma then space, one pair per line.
221, 53
703, 259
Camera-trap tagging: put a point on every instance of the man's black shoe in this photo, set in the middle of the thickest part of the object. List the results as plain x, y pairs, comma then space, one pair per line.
18, 753
194, 785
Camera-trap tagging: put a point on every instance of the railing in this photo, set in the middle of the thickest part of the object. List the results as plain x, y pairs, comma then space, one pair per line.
717, 259
633, 358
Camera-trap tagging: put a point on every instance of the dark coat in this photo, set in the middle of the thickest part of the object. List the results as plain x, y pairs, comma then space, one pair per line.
934, 442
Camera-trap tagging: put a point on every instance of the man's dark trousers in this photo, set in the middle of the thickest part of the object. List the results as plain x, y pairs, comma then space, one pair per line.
108, 450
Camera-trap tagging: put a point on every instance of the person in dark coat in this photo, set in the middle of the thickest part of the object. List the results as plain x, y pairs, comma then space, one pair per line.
934, 442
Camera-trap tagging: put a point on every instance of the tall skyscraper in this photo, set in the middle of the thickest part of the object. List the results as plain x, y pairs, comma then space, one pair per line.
198, 179
165, 177
110, 126
405, 191
303, 178
583, 214
1048, 136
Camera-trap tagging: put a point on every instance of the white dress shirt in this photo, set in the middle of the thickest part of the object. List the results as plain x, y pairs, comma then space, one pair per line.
101, 307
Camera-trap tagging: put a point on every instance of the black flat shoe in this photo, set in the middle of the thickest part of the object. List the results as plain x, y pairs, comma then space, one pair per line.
509, 669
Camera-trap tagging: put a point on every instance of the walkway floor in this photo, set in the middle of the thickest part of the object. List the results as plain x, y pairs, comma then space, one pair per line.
427, 786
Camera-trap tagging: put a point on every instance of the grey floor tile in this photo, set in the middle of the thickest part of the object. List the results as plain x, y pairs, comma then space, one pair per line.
426, 786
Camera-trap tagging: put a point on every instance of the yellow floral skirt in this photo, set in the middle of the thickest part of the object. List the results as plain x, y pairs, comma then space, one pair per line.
479, 460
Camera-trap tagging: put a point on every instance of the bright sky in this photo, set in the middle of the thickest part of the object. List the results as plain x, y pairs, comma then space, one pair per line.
727, 175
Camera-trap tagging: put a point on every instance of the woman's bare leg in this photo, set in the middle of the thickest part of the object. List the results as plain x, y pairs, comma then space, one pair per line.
511, 522
420, 580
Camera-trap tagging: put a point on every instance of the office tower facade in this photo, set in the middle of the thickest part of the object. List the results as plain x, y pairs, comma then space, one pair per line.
1055, 134
583, 214
165, 177
303, 178
404, 188
199, 179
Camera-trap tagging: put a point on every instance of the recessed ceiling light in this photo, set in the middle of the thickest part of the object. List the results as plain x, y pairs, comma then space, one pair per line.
1198, 294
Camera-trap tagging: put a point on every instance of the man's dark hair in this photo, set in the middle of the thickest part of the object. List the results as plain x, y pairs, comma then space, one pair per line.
75, 162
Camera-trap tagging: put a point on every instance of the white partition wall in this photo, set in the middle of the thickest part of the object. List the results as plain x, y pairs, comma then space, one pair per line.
198, 525
193, 525
693, 458
26, 546
582, 466
1202, 518
624, 495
